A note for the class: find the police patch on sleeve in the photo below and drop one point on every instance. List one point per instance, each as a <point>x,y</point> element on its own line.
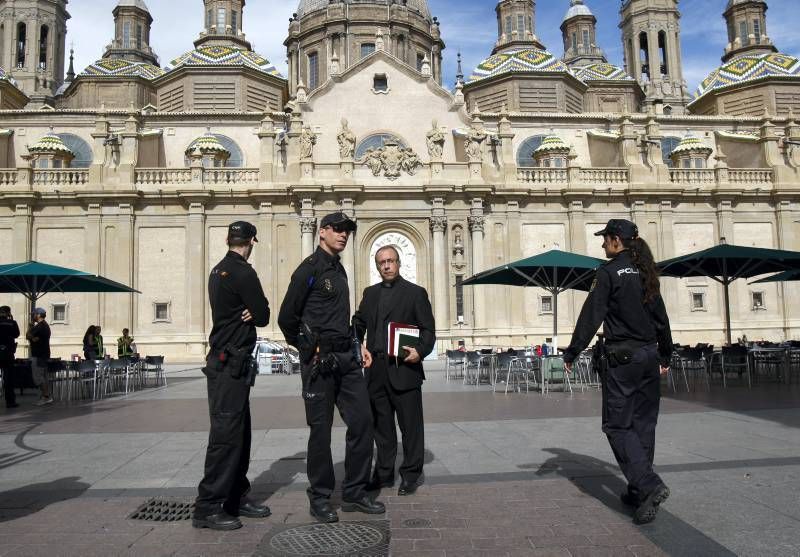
<point>594,283</point>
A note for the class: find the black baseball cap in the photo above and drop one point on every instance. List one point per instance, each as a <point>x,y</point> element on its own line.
<point>338,218</point>
<point>623,229</point>
<point>242,229</point>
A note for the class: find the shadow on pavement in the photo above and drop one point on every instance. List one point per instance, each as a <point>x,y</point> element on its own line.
<point>11,459</point>
<point>31,499</point>
<point>600,480</point>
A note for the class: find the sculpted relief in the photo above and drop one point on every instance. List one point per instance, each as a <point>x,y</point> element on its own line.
<point>391,160</point>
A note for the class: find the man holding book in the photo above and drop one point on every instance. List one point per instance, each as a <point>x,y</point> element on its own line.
<point>397,319</point>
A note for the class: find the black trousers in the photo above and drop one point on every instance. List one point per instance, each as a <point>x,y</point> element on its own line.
<point>347,390</point>
<point>631,397</point>
<point>228,456</point>
<point>8,383</point>
<point>387,402</point>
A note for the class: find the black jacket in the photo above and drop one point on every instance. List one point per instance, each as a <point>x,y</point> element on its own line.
<point>319,296</point>
<point>9,332</point>
<point>617,301</point>
<point>410,305</point>
<point>233,286</point>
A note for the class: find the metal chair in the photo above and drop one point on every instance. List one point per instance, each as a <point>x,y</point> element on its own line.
<point>455,359</point>
<point>515,372</point>
<point>768,361</point>
<point>553,370</point>
<point>155,365</point>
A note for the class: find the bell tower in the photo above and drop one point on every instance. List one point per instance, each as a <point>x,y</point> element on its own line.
<point>132,21</point>
<point>652,46</point>
<point>747,29</point>
<point>223,24</point>
<point>578,30</point>
<point>32,44</point>
<point>516,25</point>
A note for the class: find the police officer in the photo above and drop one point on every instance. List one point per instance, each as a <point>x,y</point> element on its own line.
<point>626,299</point>
<point>238,306</point>
<point>315,318</point>
<point>9,333</point>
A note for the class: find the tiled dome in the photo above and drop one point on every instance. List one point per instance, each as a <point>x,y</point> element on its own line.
<point>552,144</point>
<point>225,56</point>
<point>308,6</point>
<point>750,67</point>
<point>601,71</point>
<point>691,144</point>
<point>207,143</point>
<point>117,67</point>
<point>50,143</point>
<point>518,61</point>
<point>577,8</point>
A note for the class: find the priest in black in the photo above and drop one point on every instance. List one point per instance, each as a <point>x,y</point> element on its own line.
<point>395,383</point>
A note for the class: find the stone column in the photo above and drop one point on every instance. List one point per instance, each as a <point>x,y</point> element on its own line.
<point>266,135</point>
<point>196,271</point>
<point>785,219</point>
<point>349,254</point>
<point>21,250</point>
<point>129,153</point>
<point>263,257</point>
<point>515,253</point>
<point>121,269</point>
<point>308,226</point>
<point>666,250</point>
<point>93,243</point>
<point>440,273</point>
<point>476,224</point>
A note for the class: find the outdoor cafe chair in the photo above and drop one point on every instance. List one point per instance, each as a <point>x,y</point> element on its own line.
<point>455,360</point>
<point>683,359</point>
<point>553,371</point>
<point>476,367</point>
<point>514,370</point>
<point>768,361</point>
<point>731,359</point>
<point>155,365</point>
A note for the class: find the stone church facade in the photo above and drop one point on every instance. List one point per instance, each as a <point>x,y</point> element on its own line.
<point>132,168</point>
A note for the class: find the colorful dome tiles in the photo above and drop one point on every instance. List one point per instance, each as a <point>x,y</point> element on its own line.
<point>117,67</point>
<point>691,144</point>
<point>750,67</point>
<point>50,143</point>
<point>225,56</point>
<point>207,143</point>
<point>601,71</point>
<point>518,61</point>
<point>552,144</point>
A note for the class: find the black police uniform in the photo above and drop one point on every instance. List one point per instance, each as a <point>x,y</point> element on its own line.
<point>319,297</point>
<point>233,286</point>
<point>638,338</point>
<point>9,332</point>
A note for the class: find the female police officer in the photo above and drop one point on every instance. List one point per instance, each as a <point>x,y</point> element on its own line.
<point>626,298</point>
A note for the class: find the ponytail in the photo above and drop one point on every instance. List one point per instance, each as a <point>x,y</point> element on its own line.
<point>643,260</point>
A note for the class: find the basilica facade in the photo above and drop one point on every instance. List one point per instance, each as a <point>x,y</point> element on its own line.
<point>132,167</point>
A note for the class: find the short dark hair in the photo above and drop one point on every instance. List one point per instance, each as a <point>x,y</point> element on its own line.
<point>384,248</point>
<point>5,309</point>
<point>237,242</point>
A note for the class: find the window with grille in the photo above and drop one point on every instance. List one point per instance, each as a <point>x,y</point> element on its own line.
<point>126,34</point>
<point>139,37</point>
<point>743,32</point>
<point>545,304</point>
<point>758,301</point>
<point>313,71</point>
<point>161,312</point>
<point>757,30</point>
<point>235,21</point>
<point>520,24</point>
<point>221,16</point>
<point>509,25</point>
<point>380,83</point>
<point>698,301</point>
<point>367,49</point>
<point>586,41</point>
<point>59,313</point>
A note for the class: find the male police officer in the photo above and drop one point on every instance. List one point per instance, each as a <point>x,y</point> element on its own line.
<point>9,333</point>
<point>315,318</point>
<point>626,298</point>
<point>238,306</point>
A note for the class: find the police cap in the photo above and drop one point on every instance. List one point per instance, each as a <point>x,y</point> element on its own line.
<point>621,228</point>
<point>338,220</point>
<point>243,230</point>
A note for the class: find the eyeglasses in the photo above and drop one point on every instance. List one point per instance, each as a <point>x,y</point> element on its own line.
<point>339,228</point>
<point>387,262</point>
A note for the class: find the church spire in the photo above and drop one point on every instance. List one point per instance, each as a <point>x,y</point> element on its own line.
<point>132,22</point>
<point>747,28</point>
<point>71,70</point>
<point>516,25</point>
<point>578,28</point>
<point>223,24</point>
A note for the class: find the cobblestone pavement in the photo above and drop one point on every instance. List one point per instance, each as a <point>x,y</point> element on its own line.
<point>516,474</point>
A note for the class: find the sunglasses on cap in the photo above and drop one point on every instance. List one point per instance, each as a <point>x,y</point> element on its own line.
<point>339,227</point>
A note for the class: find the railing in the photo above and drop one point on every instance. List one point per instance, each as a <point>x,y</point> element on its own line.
<point>750,177</point>
<point>230,176</point>
<point>543,175</point>
<point>162,176</point>
<point>61,177</point>
<point>8,176</point>
<point>690,176</point>
<point>608,176</point>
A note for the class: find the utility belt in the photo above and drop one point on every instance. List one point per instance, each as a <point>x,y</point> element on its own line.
<point>620,352</point>
<point>238,362</point>
<point>342,344</point>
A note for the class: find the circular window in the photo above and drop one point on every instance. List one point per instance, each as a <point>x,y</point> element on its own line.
<point>376,141</point>
<point>80,148</point>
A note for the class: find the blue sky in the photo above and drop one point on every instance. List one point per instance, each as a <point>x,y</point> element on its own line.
<point>467,25</point>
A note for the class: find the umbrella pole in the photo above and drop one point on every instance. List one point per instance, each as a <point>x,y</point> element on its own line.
<point>727,312</point>
<point>554,292</point>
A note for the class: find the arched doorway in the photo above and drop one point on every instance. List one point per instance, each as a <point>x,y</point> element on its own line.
<point>408,256</point>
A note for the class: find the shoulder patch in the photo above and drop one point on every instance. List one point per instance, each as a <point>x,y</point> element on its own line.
<point>594,284</point>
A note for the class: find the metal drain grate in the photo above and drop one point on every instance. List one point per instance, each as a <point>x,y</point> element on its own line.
<point>363,538</point>
<point>417,523</point>
<point>164,510</point>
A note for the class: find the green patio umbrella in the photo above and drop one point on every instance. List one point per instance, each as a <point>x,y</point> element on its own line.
<point>726,263</point>
<point>33,280</point>
<point>554,271</point>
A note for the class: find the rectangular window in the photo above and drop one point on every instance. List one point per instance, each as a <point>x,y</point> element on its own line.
<point>545,304</point>
<point>509,26</point>
<point>209,19</point>
<point>367,49</point>
<point>574,42</point>
<point>460,298</point>
<point>699,163</point>
<point>57,163</point>
<point>698,301</point>
<point>313,71</point>
<point>743,32</point>
<point>586,41</point>
<point>420,61</point>
<point>380,83</point>
<point>126,34</point>
<point>757,30</point>
<point>758,301</point>
<point>235,21</point>
<point>687,163</point>
<point>521,24</point>
<point>139,37</point>
<point>161,312</point>
<point>43,40</point>
<point>221,17</point>
<point>59,314</point>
